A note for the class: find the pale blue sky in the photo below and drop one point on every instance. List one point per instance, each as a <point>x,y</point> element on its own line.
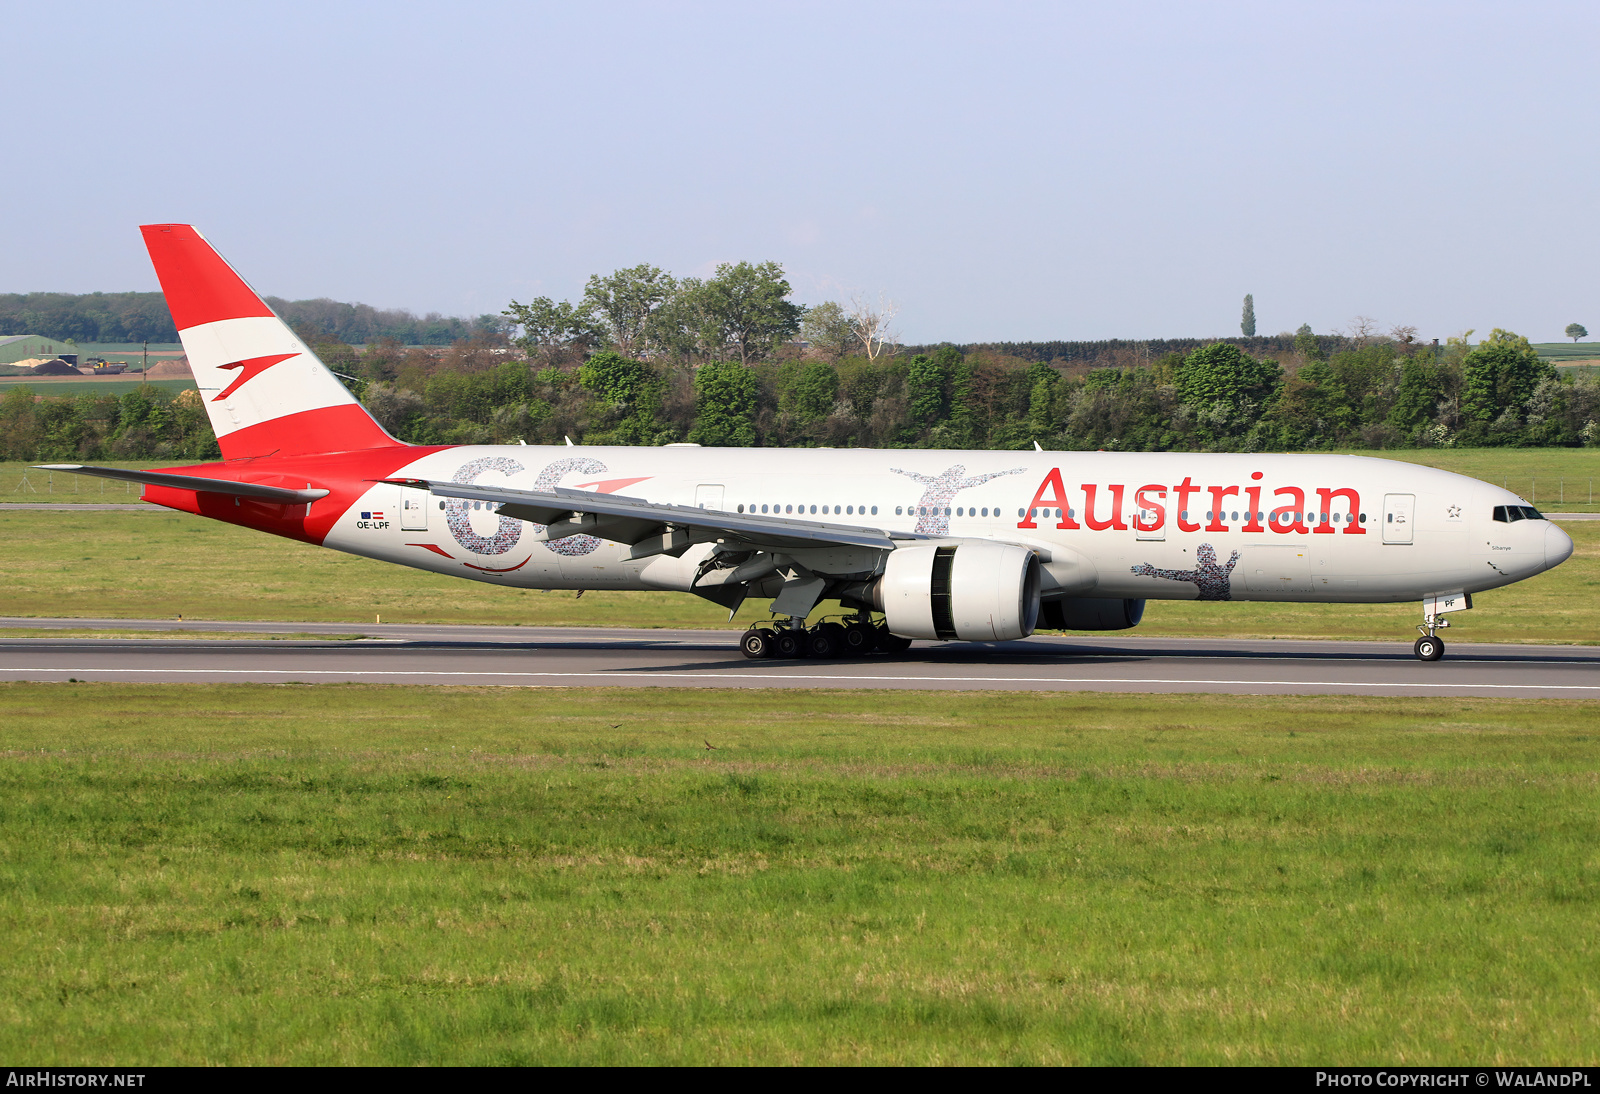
<point>1001,170</point>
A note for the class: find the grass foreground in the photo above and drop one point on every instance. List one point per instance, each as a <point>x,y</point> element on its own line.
<point>352,874</point>
<point>160,565</point>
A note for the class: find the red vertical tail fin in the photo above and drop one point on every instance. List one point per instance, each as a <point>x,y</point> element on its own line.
<point>266,392</point>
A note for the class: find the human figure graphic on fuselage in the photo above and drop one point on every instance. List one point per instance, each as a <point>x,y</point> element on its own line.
<point>932,519</point>
<point>1214,581</point>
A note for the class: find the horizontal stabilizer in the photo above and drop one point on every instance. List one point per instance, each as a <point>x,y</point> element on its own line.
<point>193,482</point>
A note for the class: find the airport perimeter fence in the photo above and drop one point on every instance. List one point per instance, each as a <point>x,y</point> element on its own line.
<point>34,483</point>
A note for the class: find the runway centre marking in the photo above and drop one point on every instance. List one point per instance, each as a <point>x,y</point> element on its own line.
<point>875,679</point>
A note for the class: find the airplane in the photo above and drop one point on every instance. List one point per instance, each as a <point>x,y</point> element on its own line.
<point>973,546</point>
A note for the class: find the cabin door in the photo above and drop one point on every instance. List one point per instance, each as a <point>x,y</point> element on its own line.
<point>413,509</point>
<point>1146,516</point>
<point>708,496</point>
<point>1398,509</point>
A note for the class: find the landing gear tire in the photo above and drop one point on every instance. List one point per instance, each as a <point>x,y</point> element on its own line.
<point>788,643</point>
<point>857,640</point>
<point>756,644</point>
<point>1429,648</point>
<point>892,643</point>
<point>823,642</point>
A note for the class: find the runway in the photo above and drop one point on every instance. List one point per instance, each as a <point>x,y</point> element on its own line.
<point>604,657</point>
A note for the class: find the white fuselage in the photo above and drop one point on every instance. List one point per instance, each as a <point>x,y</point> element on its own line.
<point>1317,528</point>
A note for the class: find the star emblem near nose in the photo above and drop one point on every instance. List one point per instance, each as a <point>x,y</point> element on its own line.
<point>249,369</point>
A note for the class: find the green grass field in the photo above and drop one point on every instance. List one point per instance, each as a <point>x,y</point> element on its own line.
<point>289,875</point>
<point>1558,352</point>
<point>91,385</point>
<point>160,565</point>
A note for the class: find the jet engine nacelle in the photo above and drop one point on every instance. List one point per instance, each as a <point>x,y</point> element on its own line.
<point>1090,613</point>
<point>974,591</point>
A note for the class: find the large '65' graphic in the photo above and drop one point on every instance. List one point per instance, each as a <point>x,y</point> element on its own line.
<point>508,531</point>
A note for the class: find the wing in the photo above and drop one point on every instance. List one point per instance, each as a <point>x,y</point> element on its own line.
<point>653,528</point>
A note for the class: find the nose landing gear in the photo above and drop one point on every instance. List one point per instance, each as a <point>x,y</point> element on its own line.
<point>1430,647</point>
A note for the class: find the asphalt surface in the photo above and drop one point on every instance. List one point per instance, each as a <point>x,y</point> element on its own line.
<point>586,657</point>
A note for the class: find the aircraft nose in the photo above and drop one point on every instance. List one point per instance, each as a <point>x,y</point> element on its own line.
<point>1557,547</point>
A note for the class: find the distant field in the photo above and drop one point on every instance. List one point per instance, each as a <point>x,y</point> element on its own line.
<point>91,385</point>
<point>383,875</point>
<point>105,349</point>
<point>159,565</point>
<point>1556,479</point>
<point>1563,352</point>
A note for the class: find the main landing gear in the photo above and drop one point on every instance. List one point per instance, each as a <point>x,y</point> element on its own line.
<point>853,637</point>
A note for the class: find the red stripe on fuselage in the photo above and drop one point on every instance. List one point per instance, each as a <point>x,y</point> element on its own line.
<point>492,570</point>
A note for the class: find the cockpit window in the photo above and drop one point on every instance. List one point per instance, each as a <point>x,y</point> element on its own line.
<point>1510,514</point>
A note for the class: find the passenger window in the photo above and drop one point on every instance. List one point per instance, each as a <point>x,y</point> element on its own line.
<point>874,510</point>
<point>897,510</point>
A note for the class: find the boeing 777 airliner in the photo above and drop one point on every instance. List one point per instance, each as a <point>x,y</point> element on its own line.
<point>965,546</point>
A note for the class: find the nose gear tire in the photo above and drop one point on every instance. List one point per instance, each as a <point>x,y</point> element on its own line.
<point>1428,648</point>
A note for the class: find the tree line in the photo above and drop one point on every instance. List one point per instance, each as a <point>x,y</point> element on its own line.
<point>1216,397</point>
<point>646,358</point>
<point>143,317</point>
